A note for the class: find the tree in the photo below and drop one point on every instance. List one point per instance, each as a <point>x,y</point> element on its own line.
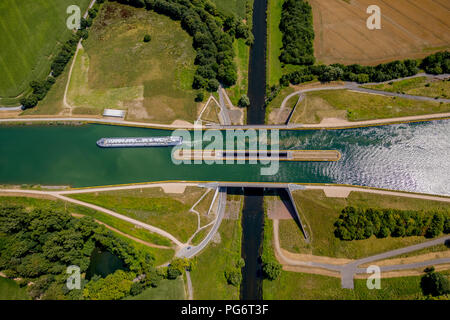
<point>147,38</point>
<point>436,226</point>
<point>271,270</point>
<point>173,273</point>
<point>234,277</point>
<point>29,102</point>
<point>136,288</point>
<point>244,101</point>
<point>200,96</point>
<point>435,284</point>
<point>213,85</point>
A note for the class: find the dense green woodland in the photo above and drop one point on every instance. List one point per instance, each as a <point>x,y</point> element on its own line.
<point>298,33</point>
<point>37,245</point>
<point>358,224</point>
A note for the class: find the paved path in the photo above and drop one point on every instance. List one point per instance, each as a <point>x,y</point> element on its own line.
<point>191,251</point>
<point>189,286</point>
<point>224,115</point>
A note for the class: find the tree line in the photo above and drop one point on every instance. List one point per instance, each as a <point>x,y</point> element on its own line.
<point>37,245</point>
<point>358,223</point>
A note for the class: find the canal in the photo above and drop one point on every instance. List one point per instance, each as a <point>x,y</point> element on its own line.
<point>253,210</point>
<point>410,157</point>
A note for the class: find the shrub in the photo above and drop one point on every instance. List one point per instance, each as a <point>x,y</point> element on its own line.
<point>244,101</point>
<point>147,38</point>
<point>271,270</point>
<point>435,284</point>
<point>200,96</point>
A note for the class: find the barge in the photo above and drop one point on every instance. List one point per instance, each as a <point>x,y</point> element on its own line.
<point>139,142</point>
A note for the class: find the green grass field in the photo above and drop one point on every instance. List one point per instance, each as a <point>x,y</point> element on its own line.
<point>236,7</point>
<point>419,86</point>
<point>30,33</point>
<point>356,106</point>
<point>274,41</point>
<point>166,290</point>
<point>302,286</point>
<point>169,212</point>
<point>10,290</point>
<point>319,213</point>
<point>208,277</point>
<point>242,52</point>
<point>118,70</point>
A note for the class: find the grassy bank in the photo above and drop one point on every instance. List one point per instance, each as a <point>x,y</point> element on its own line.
<point>169,212</point>
<point>419,86</point>
<point>166,290</point>
<point>10,290</point>
<point>153,80</point>
<point>242,53</point>
<point>208,278</point>
<point>302,286</point>
<point>319,213</point>
<point>274,41</point>
<point>356,106</point>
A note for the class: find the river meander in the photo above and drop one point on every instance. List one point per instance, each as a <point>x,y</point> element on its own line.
<point>410,157</point>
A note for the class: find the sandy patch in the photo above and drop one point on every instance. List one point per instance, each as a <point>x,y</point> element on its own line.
<point>319,271</point>
<point>336,193</point>
<point>181,123</point>
<point>312,258</point>
<point>278,210</point>
<point>173,188</point>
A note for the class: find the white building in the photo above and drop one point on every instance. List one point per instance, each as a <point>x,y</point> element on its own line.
<point>114,113</point>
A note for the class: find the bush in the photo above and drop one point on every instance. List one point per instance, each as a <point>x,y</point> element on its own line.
<point>136,288</point>
<point>213,85</point>
<point>147,38</point>
<point>173,273</point>
<point>200,96</point>
<point>244,101</point>
<point>271,270</point>
<point>234,277</point>
<point>435,284</point>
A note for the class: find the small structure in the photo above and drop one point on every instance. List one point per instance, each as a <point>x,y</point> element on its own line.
<point>114,113</point>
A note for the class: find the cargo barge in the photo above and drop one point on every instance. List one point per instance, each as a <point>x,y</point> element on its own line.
<point>139,142</point>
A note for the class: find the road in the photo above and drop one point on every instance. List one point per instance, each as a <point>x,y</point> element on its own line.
<point>191,251</point>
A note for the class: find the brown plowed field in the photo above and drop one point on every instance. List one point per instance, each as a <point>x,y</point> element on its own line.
<point>409,29</point>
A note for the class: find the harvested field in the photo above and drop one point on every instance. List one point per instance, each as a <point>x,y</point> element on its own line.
<point>409,29</point>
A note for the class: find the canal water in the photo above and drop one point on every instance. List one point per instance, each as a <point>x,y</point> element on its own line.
<point>253,210</point>
<point>410,157</point>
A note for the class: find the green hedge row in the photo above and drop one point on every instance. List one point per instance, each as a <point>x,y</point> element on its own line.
<point>357,224</point>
